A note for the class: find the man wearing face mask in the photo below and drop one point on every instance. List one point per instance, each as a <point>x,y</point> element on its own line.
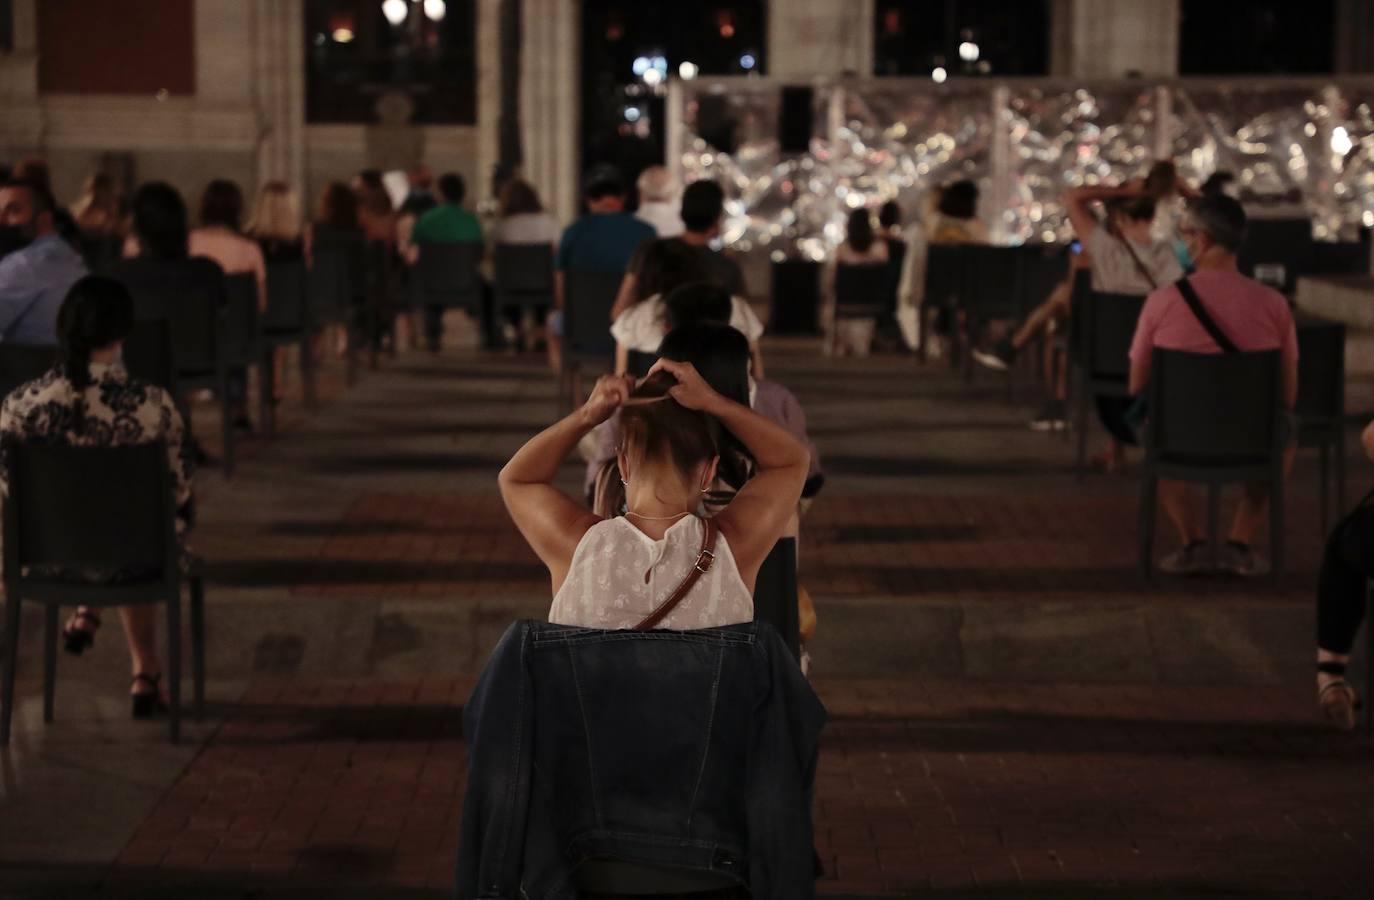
<point>1253,317</point>
<point>35,278</point>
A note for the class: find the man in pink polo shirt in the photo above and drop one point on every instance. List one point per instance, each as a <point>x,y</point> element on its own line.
<point>1254,317</point>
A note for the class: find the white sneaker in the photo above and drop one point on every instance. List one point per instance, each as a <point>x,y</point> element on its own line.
<point>1244,561</point>
<point>1190,559</point>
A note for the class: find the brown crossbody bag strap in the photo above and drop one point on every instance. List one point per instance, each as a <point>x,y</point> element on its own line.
<point>705,558</point>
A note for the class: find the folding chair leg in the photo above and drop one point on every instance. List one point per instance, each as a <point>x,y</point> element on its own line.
<point>1276,524</point>
<point>198,644</point>
<point>1324,455</point>
<point>49,659</point>
<point>1214,523</point>
<point>227,414</point>
<point>1149,486</point>
<point>174,667</point>
<point>267,386</point>
<point>11,649</point>
<point>308,372</point>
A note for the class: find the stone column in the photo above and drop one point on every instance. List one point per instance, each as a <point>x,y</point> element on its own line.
<point>550,106</point>
<point>819,38</point>
<point>280,56</point>
<point>1114,38</point>
<point>488,94</point>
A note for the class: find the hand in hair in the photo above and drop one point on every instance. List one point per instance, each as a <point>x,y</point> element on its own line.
<point>610,394</point>
<point>692,391</point>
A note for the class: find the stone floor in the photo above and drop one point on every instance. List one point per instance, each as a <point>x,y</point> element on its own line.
<point>1013,713</point>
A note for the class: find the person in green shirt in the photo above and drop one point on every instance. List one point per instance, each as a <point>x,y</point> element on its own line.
<point>449,222</point>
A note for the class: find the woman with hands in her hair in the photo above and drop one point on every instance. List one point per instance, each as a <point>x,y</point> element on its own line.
<point>613,573</point>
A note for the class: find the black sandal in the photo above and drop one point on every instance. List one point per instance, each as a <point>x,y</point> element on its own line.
<point>147,705</point>
<point>76,639</point>
<point>1339,703</point>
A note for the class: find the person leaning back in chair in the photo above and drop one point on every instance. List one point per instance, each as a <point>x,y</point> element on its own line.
<point>663,564</point>
<point>1251,316</point>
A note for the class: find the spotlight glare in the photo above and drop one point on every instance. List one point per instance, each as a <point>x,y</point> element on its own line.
<point>747,62</point>
<point>688,70</point>
<point>939,75</point>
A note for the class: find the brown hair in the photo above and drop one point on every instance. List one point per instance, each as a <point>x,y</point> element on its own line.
<point>1159,182</point>
<point>222,204</point>
<point>518,196</point>
<point>665,432</point>
<point>338,207</point>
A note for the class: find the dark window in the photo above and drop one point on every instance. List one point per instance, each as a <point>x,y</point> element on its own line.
<point>1259,37</point>
<point>622,118</point>
<point>913,37</point>
<point>354,56</point>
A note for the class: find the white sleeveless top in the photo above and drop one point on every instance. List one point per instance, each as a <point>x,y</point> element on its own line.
<point>619,575</point>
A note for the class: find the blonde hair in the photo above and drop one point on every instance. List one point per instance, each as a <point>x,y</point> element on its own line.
<point>97,196</point>
<point>276,213</point>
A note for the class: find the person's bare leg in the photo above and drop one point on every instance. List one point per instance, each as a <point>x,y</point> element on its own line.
<point>1056,304</point>
<point>1254,505</point>
<point>1179,503</point>
<point>140,631</point>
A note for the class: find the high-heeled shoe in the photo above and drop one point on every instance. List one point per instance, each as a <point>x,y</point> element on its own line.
<point>147,705</point>
<point>76,637</point>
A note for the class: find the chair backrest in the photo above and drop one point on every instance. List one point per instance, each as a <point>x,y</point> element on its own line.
<point>1043,268</point>
<point>524,273</point>
<point>149,356</point>
<point>1080,294</point>
<point>1339,258</point>
<point>329,290</point>
<point>193,307</point>
<point>1213,408</point>
<point>860,290</point>
<point>88,507</point>
<point>241,319</point>
<point>287,308</point>
<point>946,266</point>
<point>22,363</point>
<point>1277,251</point>
<point>100,251</point>
<point>588,296</point>
<point>1110,321</point>
<point>992,282</point>
<point>1321,372</point>
<point>446,273</point>
<point>344,250</point>
<point>775,594</point>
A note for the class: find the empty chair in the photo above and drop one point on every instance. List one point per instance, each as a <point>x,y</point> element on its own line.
<point>287,321</point>
<point>587,300</point>
<point>1187,440</point>
<point>524,275</point>
<point>22,363</point>
<point>1107,323</point>
<point>105,508</point>
<point>861,298</point>
<point>445,275</point>
<point>1320,408</point>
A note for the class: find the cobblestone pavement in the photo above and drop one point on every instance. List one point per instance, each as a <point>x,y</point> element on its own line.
<point>974,599</point>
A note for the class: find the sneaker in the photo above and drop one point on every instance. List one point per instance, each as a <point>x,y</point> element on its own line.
<point>1052,417</point>
<point>1000,357</point>
<point>1240,559</point>
<point>1190,559</point>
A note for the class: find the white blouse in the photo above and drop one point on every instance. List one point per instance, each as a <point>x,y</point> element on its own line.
<point>641,327</point>
<point>619,575</point>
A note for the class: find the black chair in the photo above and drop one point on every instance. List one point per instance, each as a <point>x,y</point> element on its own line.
<point>377,317</point>
<point>1215,418</point>
<point>22,363</point>
<point>243,335</point>
<point>1321,404</point>
<point>100,251</point>
<point>524,275</point>
<point>445,275</point>
<point>860,291</point>
<point>338,285</point>
<point>775,594</point>
<point>588,297</point>
<point>1339,258</point>
<point>287,321</point>
<point>1277,251</point>
<point>149,357</point>
<point>992,291</point>
<point>108,508</point>
<point>944,283</point>
<point>1107,325</point>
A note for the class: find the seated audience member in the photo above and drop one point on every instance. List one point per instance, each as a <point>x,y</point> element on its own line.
<point>657,204</point>
<point>376,215</point>
<point>89,400</point>
<point>276,223</point>
<point>34,171</point>
<point>447,223</point>
<point>1347,566</point>
<point>34,278</point>
<point>666,266</point>
<point>614,573</point>
<point>861,247</point>
<point>220,236</point>
<point>1125,258</point>
<point>703,211</point>
<point>951,217</point>
<point>603,240</point>
<point>420,194</point>
<point>521,219</point>
<point>97,211</point>
<point>1254,317</point>
<point>336,219</point>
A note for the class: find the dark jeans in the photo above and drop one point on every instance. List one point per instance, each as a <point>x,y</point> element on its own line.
<point>1346,565</point>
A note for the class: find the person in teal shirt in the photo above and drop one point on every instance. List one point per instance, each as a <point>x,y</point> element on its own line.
<point>449,222</point>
